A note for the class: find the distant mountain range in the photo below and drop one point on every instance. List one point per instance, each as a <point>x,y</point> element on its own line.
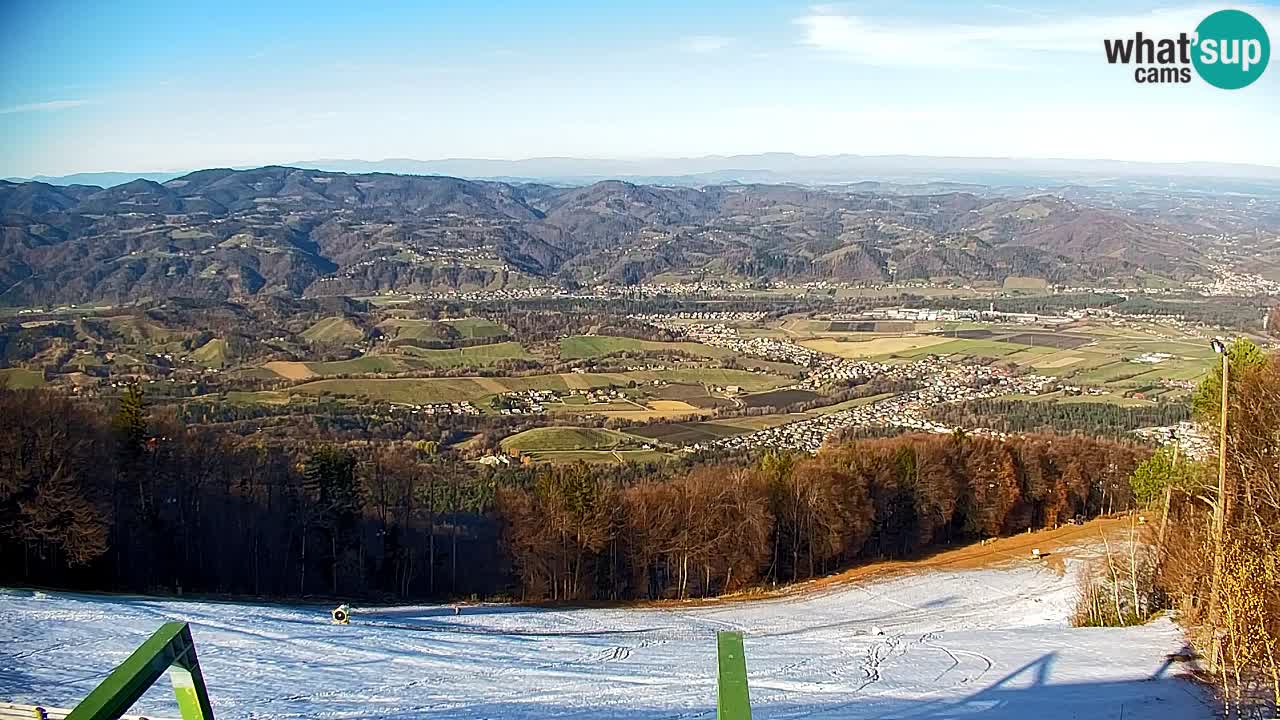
<point>225,233</point>
<point>790,168</point>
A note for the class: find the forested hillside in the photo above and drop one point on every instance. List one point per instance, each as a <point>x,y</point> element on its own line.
<point>128,500</point>
<point>276,230</point>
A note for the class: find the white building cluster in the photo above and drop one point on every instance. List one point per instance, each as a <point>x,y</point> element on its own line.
<point>1188,436</point>
<point>1230,283</point>
<point>946,382</point>
<point>459,408</point>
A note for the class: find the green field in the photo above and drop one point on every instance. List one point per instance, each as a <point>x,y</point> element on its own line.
<point>568,438</point>
<point>474,327</point>
<point>136,330</point>
<point>359,366</point>
<point>401,329</point>
<point>599,456</point>
<point>475,356</point>
<point>399,390</point>
<point>212,354</point>
<point>409,358</point>
<point>590,346</point>
<point>333,331</point>
<point>21,378</point>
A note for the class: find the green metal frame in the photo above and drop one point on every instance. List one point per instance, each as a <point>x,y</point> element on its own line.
<point>733,699</point>
<point>170,649</point>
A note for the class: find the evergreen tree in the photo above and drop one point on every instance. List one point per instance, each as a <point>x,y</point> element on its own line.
<point>1158,472</point>
<point>331,474</point>
<point>130,421</point>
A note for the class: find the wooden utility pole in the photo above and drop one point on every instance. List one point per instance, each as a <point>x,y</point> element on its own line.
<point>1219,521</point>
<point>1168,500</point>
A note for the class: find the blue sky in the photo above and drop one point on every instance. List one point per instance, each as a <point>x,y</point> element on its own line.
<point>148,85</point>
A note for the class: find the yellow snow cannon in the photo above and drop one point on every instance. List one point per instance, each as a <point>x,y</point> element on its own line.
<point>341,615</point>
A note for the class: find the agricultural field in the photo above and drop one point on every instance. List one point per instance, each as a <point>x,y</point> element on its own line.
<point>434,390</point>
<point>991,349</point>
<point>1137,362</point>
<point>593,346</point>
<point>135,330</point>
<point>333,331</point>
<point>472,328</point>
<point>1083,353</point>
<point>652,410</point>
<point>406,358</point>
<point>20,378</point>
<point>1058,341</point>
<point>414,330</point>
<point>1014,282</point>
<point>599,456</point>
<point>645,403</point>
<point>473,356</point>
<point>212,354</point>
<point>569,438</point>
<point>686,433</point>
<point>871,326</point>
<point>871,345</point>
<point>358,366</point>
<point>290,370</point>
<point>1058,361</point>
<point>799,329</point>
<point>779,398</point>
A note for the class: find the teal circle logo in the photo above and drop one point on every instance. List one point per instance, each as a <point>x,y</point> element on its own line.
<point>1232,49</point>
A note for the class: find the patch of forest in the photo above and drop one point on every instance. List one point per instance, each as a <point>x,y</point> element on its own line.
<point>129,499</point>
<point>1094,418</point>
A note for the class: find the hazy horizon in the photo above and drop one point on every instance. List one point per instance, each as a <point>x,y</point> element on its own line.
<point>776,166</point>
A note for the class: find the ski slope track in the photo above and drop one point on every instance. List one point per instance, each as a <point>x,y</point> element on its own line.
<point>935,644</point>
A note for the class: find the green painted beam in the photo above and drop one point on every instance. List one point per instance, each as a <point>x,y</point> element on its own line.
<point>733,700</point>
<point>170,649</point>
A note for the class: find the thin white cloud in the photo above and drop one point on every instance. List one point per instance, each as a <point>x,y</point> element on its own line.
<point>705,44</point>
<point>879,41</point>
<point>43,106</point>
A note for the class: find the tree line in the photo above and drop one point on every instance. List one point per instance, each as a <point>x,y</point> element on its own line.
<point>133,500</point>
<point>1094,418</point>
<point>127,498</point>
<point>573,534</point>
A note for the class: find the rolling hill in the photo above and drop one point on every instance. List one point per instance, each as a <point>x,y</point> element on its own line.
<point>221,233</point>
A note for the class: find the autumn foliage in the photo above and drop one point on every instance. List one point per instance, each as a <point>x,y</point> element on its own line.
<point>577,534</point>
<point>126,498</point>
<point>1241,640</point>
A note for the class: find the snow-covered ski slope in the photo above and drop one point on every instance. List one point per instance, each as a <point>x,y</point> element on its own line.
<point>940,643</point>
